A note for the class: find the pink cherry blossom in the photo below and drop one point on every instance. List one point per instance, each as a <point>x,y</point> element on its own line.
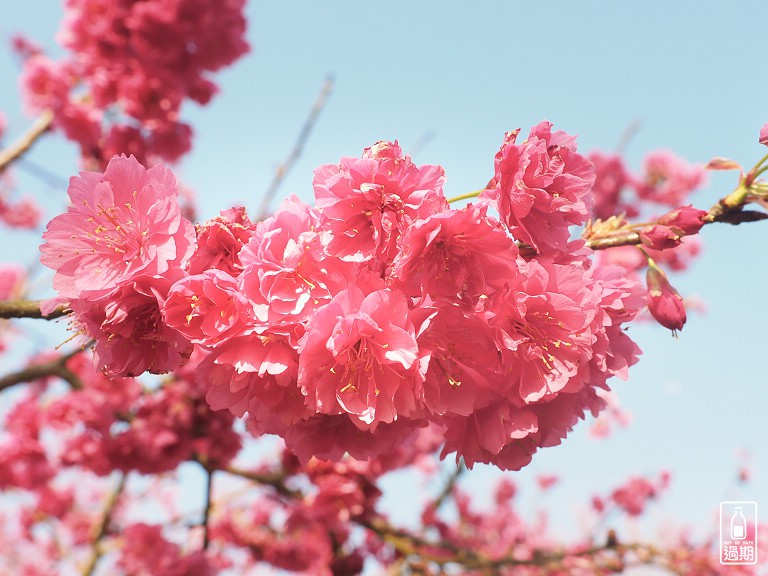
<point>634,495</point>
<point>122,223</point>
<point>540,187</point>
<point>287,273</point>
<point>146,551</point>
<point>131,335</point>
<point>255,374</point>
<point>464,371</point>
<point>367,204</point>
<point>360,357</point>
<point>611,180</point>
<point>669,179</point>
<point>219,241</point>
<point>456,255</point>
<point>208,308</point>
<point>22,214</point>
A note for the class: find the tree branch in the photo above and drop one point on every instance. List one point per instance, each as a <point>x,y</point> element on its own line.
<point>274,479</point>
<point>720,212</point>
<point>207,506</point>
<point>29,309</point>
<point>57,367</point>
<point>103,527</point>
<point>25,141</point>
<point>298,147</point>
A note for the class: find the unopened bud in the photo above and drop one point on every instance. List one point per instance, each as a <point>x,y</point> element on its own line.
<point>665,304</point>
<point>687,218</point>
<point>764,134</point>
<point>660,237</point>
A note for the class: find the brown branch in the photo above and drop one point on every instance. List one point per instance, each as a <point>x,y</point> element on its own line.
<point>25,141</point>
<point>56,367</point>
<point>274,479</point>
<point>207,506</point>
<point>723,212</point>
<point>102,527</point>
<point>298,147</point>
<point>443,552</point>
<point>28,309</point>
<point>449,485</point>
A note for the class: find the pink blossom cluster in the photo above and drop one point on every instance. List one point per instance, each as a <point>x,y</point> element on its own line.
<point>667,180</point>
<point>131,67</point>
<point>348,326</point>
<point>633,496</point>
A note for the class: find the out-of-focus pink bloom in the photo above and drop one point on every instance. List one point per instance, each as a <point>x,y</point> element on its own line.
<point>546,481</point>
<point>635,494</point>
<point>665,304</point>
<point>122,223</point>
<point>150,55</point>
<point>44,84</point>
<point>24,47</point>
<point>611,179</point>
<point>669,179</point>
<point>131,335</point>
<point>367,204</point>
<point>146,551</point>
<point>12,281</point>
<point>23,214</point>
<point>540,187</point>
<point>764,134</point>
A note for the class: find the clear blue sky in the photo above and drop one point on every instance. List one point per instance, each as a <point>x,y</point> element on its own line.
<point>692,75</point>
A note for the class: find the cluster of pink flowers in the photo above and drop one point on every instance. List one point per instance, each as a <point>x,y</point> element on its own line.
<point>348,326</point>
<point>132,66</point>
<point>667,180</point>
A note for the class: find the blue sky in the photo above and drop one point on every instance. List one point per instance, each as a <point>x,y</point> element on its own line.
<point>461,74</point>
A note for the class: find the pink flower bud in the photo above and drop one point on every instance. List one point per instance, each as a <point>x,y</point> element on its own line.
<point>764,134</point>
<point>687,218</point>
<point>665,304</point>
<point>660,237</point>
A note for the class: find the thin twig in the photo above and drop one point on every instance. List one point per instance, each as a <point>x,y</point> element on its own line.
<point>720,212</point>
<point>103,527</point>
<point>443,552</point>
<point>626,137</point>
<point>207,507</point>
<point>274,479</point>
<point>298,147</point>
<point>29,309</point>
<point>449,485</point>
<point>50,178</point>
<point>25,141</point>
<point>57,367</point>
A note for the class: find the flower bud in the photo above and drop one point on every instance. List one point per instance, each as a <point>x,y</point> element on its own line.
<point>687,218</point>
<point>660,237</point>
<point>665,304</point>
<point>764,134</point>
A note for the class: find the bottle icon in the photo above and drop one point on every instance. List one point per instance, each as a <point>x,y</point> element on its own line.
<point>738,524</point>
